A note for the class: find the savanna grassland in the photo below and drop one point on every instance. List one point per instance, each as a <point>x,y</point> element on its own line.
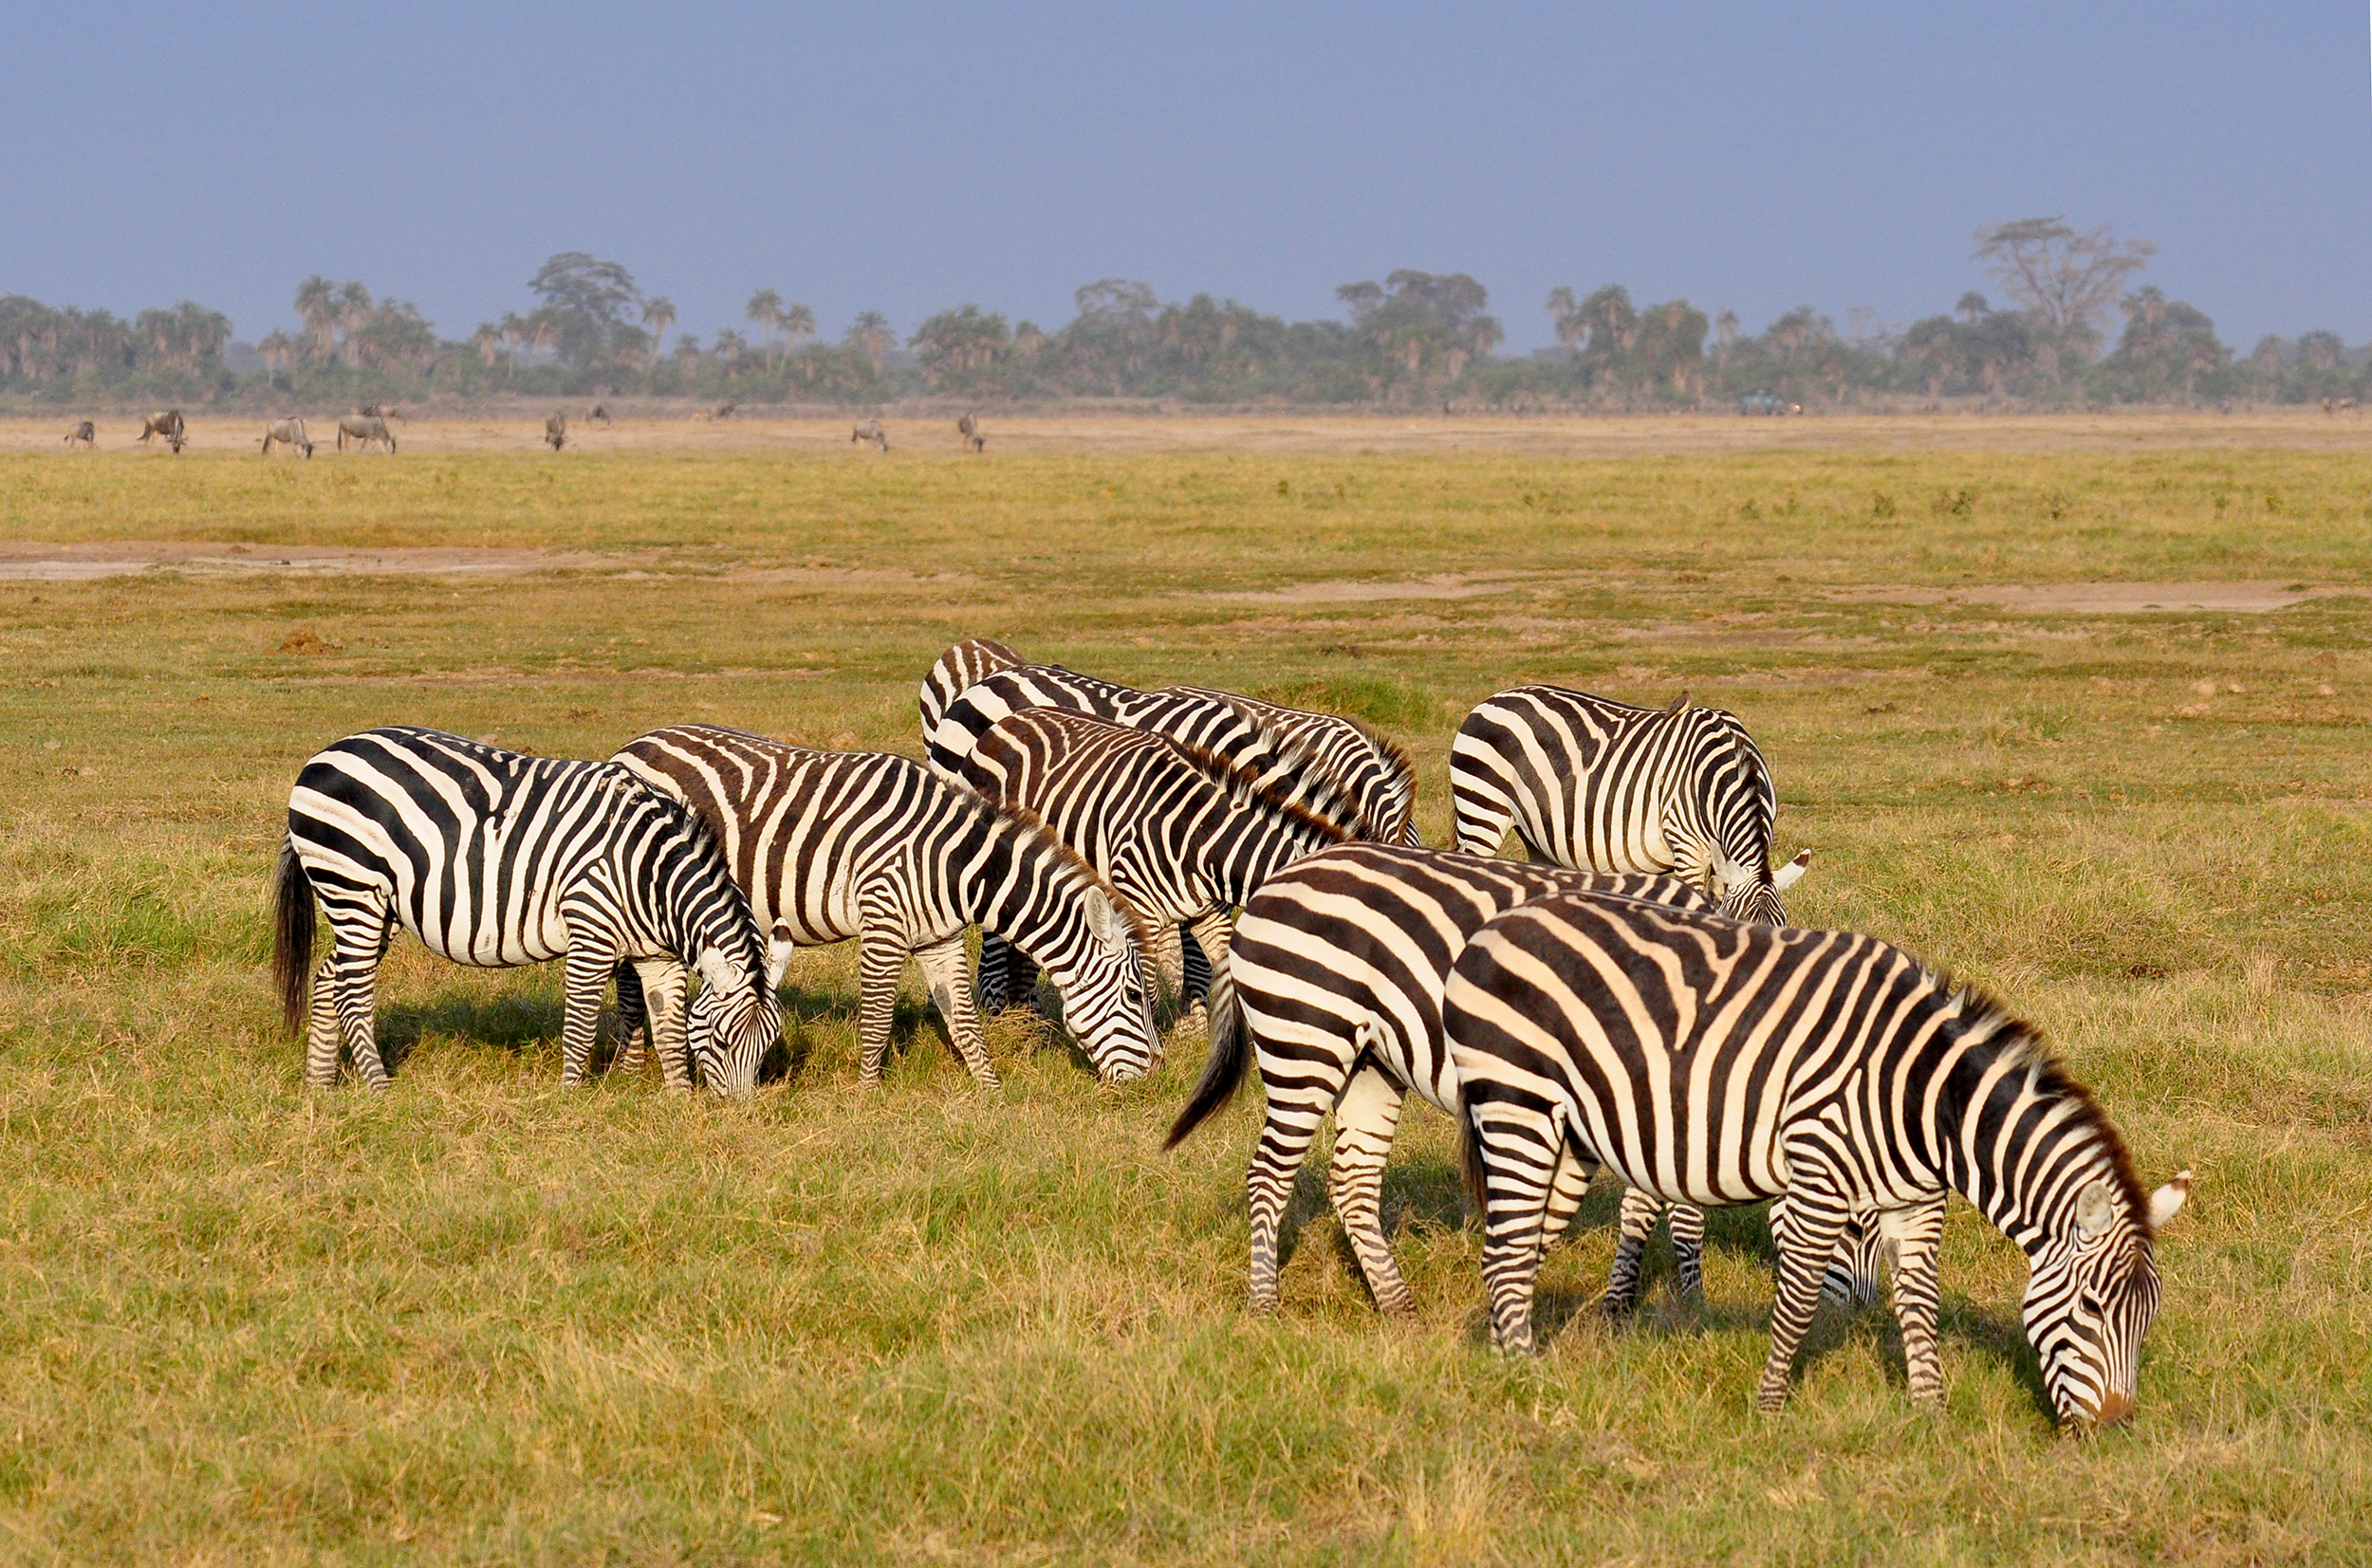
<point>478,1318</point>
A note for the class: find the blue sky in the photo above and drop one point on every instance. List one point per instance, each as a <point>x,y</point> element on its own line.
<point>907,158</point>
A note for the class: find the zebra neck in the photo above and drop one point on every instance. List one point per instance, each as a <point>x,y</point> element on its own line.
<point>2014,1137</point>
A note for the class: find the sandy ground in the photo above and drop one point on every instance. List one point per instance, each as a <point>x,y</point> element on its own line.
<point>1294,432</point>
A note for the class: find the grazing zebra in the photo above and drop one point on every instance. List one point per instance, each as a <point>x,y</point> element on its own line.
<point>1605,786</point>
<point>496,859</point>
<point>1717,1062</point>
<point>957,670</point>
<point>81,433</point>
<point>1371,766</point>
<point>1338,963</point>
<point>1183,837</point>
<point>837,844</point>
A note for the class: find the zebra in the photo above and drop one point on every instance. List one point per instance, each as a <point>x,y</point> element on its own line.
<point>1719,1061</point>
<point>1183,837</point>
<point>1338,963</point>
<point>492,857</point>
<point>831,845</point>
<point>957,670</point>
<point>1605,786</point>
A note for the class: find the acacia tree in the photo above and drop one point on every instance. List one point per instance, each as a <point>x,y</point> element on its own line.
<point>588,305</point>
<point>2066,279</point>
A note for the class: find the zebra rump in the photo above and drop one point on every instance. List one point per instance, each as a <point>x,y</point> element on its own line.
<point>1602,786</point>
<point>1717,1062</point>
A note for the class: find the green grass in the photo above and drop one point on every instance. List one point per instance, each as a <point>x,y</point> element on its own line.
<point>482,1319</point>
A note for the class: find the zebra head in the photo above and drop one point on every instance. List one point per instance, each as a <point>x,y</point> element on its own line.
<point>1753,894</point>
<point>2091,1297</point>
<point>1107,1003</point>
<point>735,1020</point>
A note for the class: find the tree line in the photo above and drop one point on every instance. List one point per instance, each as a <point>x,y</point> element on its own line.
<point>1413,340</point>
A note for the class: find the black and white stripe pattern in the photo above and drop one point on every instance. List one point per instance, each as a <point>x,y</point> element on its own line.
<point>1717,1062</point>
<point>834,845</point>
<point>962,666</point>
<point>1339,964</point>
<point>1183,837</point>
<point>496,859</point>
<point>1602,786</point>
<point>1369,767</point>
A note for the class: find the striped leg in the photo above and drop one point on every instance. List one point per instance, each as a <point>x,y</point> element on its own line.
<point>1915,1234</point>
<point>1641,1210</point>
<point>1566,1188</point>
<point>1688,1248</point>
<point>1007,975</point>
<point>663,987</point>
<point>1166,954</point>
<point>1520,1148</point>
<point>581,1017</point>
<point>1365,1120</point>
<point>1480,808</point>
<point>321,1039</point>
<point>879,961</point>
<point>1297,1103</point>
<point>634,1021</point>
<point>943,972</point>
<point>353,969</point>
<point>1816,1217</point>
<point>1208,937</point>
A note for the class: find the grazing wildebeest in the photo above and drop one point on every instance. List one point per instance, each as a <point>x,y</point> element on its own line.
<point>82,432</point>
<point>599,417</point>
<point>364,429</point>
<point>167,424</point>
<point>556,432</point>
<point>968,428</point>
<point>288,432</point>
<point>871,430</point>
<point>378,410</point>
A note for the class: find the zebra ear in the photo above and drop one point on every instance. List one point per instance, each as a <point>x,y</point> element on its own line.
<point>2092,1210</point>
<point>1105,920</point>
<point>2167,1201</point>
<point>1791,874</point>
<point>778,953</point>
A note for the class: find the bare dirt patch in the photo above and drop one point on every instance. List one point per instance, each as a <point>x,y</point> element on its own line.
<point>2085,599</point>
<point>45,561</point>
<point>1351,591</point>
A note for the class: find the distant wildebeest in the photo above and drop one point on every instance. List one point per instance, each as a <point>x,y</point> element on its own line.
<point>556,432</point>
<point>968,428</point>
<point>81,432</point>
<point>599,417</point>
<point>167,424</point>
<point>378,410</point>
<point>288,432</point>
<point>364,429</point>
<point>870,431</point>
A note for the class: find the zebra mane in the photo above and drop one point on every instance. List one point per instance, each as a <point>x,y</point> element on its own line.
<point>1330,807</point>
<point>1277,798</point>
<point>1032,829</point>
<point>1394,756</point>
<point>2021,1044</point>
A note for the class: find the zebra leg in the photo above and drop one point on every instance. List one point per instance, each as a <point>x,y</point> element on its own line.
<point>634,1021</point>
<point>581,1016</point>
<point>943,972</point>
<point>1365,1120</point>
<point>1816,1217</point>
<point>1566,1188</point>
<point>879,961</point>
<point>1165,953</point>
<point>322,1037</point>
<point>1199,964</point>
<point>1641,1210</point>
<point>1688,1248</point>
<point>663,986</point>
<point>1913,1233</point>
<point>1519,1148</point>
<point>1208,937</point>
<point>994,985</point>
<point>353,964</point>
<point>1300,1093</point>
<point>1479,810</point>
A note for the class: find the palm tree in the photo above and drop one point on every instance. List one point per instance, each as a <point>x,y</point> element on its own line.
<point>486,340</point>
<point>1566,312</point>
<point>797,322</point>
<point>658,314</point>
<point>317,307</point>
<point>277,349</point>
<point>766,310</point>
<point>354,314</point>
<point>729,344</point>
<point>872,336</point>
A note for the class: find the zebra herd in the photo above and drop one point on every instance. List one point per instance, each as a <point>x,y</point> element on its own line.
<point>1630,999</point>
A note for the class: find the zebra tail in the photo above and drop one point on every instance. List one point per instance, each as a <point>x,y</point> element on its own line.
<point>1222,1071</point>
<point>292,937</point>
<point>1470,1155</point>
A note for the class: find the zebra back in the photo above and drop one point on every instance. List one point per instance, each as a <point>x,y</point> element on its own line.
<point>1591,782</point>
<point>1369,766</point>
<point>827,844</point>
<point>1716,1061</point>
<point>966,662</point>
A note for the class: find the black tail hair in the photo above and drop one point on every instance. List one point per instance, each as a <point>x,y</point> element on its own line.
<point>1471,1155</point>
<point>292,937</point>
<point>1222,1071</point>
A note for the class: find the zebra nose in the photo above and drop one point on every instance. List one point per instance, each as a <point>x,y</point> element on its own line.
<point>2115,1408</point>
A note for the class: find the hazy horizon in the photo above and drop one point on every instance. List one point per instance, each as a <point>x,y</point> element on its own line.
<point>907,158</point>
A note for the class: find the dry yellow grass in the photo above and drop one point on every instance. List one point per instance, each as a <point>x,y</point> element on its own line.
<point>482,1319</point>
